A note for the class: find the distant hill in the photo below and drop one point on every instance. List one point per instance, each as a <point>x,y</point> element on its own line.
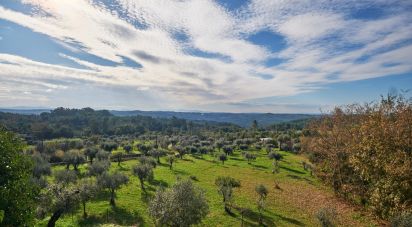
<point>241,119</point>
<point>25,111</point>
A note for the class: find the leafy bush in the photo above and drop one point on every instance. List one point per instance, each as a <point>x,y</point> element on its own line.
<point>182,205</point>
<point>364,152</point>
<point>326,217</point>
<point>403,220</point>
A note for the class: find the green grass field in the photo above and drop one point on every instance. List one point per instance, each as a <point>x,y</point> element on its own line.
<point>295,203</point>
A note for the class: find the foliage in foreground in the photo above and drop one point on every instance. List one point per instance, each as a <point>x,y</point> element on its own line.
<point>365,153</point>
<point>17,193</point>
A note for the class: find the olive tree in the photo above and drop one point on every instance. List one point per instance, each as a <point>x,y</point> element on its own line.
<point>225,188</point>
<point>170,159</point>
<point>98,167</point>
<point>87,190</point>
<point>90,153</point>
<point>143,148</point>
<point>157,153</point>
<point>147,160</point>
<point>249,156</point>
<point>182,205</point>
<point>181,151</point>
<point>65,177</point>
<point>102,155</point>
<point>73,157</point>
<point>112,182</point>
<point>222,157</point>
<point>128,148</point>
<point>57,200</point>
<point>276,157</point>
<point>118,155</point>
<point>41,166</point>
<point>228,149</point>
<point>262,192</point>
<point>143,172</point>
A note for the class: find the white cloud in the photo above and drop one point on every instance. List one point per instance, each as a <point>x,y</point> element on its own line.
<point>318,34</point>
<point>311,26</point>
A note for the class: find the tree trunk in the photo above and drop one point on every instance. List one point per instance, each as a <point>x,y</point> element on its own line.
<point>84,210</point>
<point>142,184</point>
<point>112,198</point>
<point>170,167</point>
<point>56,215</point>
<point>227,209</point>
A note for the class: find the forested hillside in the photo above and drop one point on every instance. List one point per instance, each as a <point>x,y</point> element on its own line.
<point>69,123</point>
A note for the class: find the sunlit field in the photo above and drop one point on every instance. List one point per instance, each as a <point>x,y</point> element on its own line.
<point>294,203</point>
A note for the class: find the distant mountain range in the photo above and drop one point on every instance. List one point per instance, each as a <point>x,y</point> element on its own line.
<point>241,119</point>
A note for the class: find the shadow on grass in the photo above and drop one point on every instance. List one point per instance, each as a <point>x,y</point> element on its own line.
<point>200,157</point>
<point>163,164</point>
<point>159,183</point>
<point>259,166</point>
<point>308,180</point>
<point>181,172</point>
<point>115,215</point>
<point>251,218</point>
<point>103,195</point>
<point>286,219</point>
<point>294,177</point>
<point>145,197</point>
<point>237,159</point>
<point>187,160</point>
<point>123,168</point>
<point>292,170</point>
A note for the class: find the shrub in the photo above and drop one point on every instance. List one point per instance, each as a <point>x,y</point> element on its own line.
<point>182,205</point>
<point>403,220</point>
<point>326,217</point>
<point>363,153</point>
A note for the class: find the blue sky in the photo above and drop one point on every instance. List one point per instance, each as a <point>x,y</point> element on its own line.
<point>234,56</point>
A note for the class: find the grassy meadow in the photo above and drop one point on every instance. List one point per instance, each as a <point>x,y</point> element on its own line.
<point>294,202</point>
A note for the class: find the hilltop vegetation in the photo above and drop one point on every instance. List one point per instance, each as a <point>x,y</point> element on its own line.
<point>70,123</point>
<point>240,119</point>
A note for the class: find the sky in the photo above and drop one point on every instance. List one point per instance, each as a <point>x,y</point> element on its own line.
<point>294,56</point>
